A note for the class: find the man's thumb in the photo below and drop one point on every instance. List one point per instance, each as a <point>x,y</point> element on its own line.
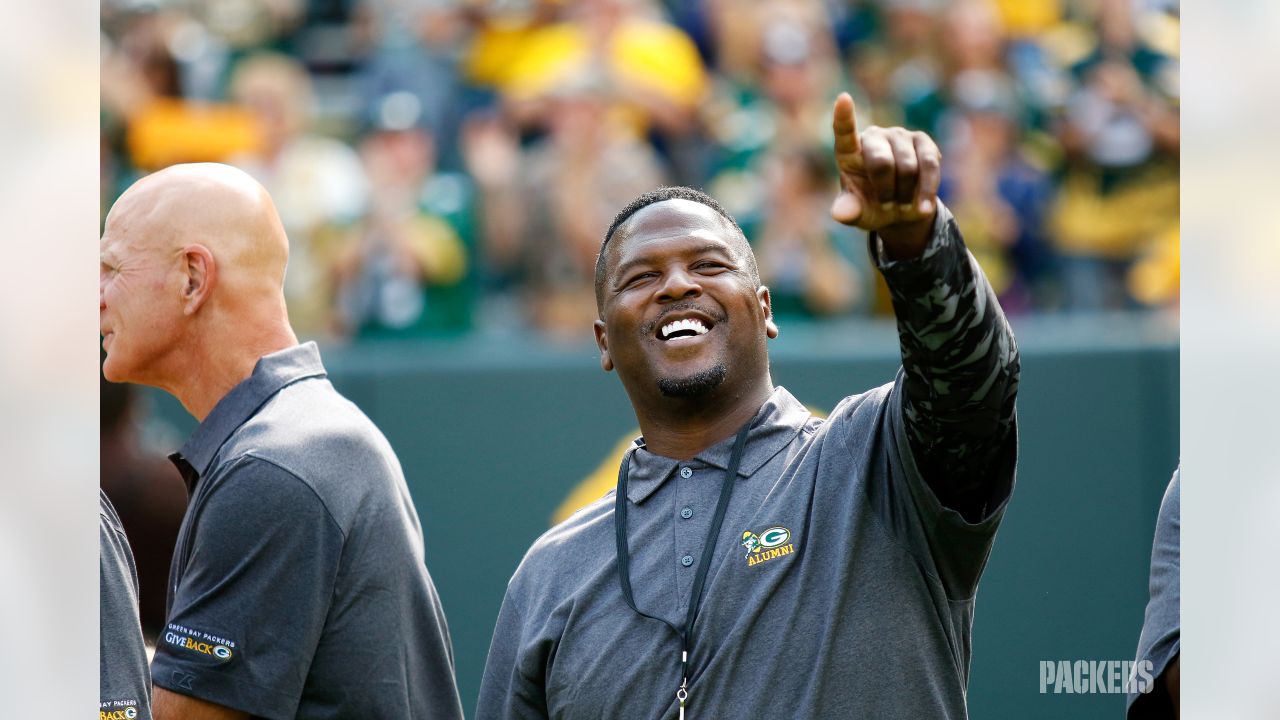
<point>847,208</point>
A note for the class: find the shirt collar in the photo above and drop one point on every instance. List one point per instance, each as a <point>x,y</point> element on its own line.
<point>772,429</point>
<point>270,374</point>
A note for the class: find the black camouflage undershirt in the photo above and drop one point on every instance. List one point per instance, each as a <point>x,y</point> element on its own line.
<point>961,366</point>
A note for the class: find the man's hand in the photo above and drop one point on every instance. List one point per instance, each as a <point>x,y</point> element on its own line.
<point>888,181</point>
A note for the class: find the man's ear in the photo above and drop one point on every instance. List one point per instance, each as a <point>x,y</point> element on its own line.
<point>200,275</point>
<point>602,342</point>
<point>766,305</point>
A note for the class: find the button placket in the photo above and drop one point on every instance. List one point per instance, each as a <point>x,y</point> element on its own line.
<point>690,529</point>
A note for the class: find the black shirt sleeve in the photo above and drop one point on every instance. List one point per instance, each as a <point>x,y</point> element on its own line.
<point>125,682</point>
<point>253,598</point>
<point>960,371</point>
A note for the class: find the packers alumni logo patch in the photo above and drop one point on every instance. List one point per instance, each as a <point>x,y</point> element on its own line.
<point>770,544</point>
<point>199,643</point>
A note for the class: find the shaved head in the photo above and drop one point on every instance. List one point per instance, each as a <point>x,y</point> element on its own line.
<point>215,205</point>
<point>192,282</point>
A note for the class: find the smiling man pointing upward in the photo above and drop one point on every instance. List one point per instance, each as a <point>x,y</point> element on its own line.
<point>756,561</point>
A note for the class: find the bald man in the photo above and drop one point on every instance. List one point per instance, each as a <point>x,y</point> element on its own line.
<point>298,587</point>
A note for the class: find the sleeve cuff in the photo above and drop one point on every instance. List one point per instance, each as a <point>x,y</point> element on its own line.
<point>943,247</point>
<point>1001,487</point>
<point>221,688</point>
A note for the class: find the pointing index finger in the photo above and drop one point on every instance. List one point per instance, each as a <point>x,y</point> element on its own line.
<point>845,127</point>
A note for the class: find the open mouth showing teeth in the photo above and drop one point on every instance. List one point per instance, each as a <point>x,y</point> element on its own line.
<point>691,327</point>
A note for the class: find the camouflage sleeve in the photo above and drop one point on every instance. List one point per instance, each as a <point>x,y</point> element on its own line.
<point>960,365</point>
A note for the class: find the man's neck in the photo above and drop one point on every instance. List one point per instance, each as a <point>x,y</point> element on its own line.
<point>682,428</point>
<point>211,374</point>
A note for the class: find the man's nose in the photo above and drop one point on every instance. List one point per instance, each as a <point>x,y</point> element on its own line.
<point>679,284</point>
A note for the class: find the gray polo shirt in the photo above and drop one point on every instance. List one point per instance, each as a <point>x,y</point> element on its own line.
<point>841,587</point>
<point>1160,641</point>
<point>298,587</point>
<point>124,681</point>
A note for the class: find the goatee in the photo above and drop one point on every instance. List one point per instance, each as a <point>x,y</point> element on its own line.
<point>695,385</point>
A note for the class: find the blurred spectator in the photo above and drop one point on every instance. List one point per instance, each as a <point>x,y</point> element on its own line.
<point>782,107</point>
<point>155,105</point>
<point>148,495</point>
<point>1120,132</point>
<point>911,33</point>
<point>414,47</point>
<point>491,148</point>
<point>500,34</point>
<point>997,196</point>
<point>404,267</point>
<point>978,53</point>
<point>535,120</point>
<point>795,242</point>
<point>250,24</point>
<point>799,73</point>
<point>138,65</point>
<point>972,38</point>
<point>654,69</point>
<point>317,183</point>
<point>735,31</point>
<point>564,191</point>
<point>871,68</point>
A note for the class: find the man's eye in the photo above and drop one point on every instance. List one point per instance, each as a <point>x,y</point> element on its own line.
<point>709,265</point>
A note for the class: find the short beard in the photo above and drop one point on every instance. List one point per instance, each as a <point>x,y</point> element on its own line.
<point>696,385</point>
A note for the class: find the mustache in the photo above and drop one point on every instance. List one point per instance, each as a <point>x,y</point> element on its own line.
<point>652,326</point>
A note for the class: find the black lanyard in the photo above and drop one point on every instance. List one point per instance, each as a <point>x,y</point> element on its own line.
<point>708,551</point>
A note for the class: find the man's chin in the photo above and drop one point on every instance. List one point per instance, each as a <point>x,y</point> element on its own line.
<point>699,384</point>
<point>110,372</point>
<point>118,371</point>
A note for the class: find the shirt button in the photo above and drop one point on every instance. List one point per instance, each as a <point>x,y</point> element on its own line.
<point>686,513</point>
<point>685,473</point>
<point>687,560</point>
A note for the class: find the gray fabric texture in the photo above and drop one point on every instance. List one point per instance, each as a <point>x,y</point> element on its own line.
<point>1160,640</point>
<point>841,586</point>
<point>124,680</point>
<point>298,586</point>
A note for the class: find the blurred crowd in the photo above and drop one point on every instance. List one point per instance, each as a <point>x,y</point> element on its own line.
<point>449,166</point>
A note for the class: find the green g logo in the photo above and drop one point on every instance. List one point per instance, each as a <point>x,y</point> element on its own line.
<point>774,536</point>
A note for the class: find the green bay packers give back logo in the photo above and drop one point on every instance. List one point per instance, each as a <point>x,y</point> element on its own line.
<point>768,545</point>
<point>206,645</point>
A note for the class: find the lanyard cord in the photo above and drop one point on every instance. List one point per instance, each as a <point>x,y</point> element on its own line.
<point>708,550</point>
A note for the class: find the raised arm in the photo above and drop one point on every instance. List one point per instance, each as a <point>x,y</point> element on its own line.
<point>959,359</point>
